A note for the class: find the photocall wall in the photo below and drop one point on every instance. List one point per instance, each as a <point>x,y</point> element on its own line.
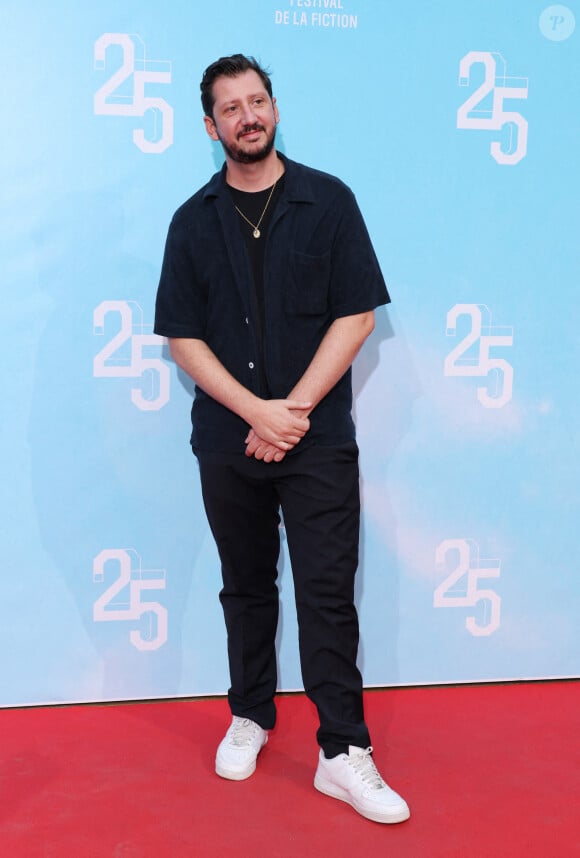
<point>457,126</point>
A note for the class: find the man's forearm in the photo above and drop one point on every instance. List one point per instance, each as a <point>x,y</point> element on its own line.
<point>200,363</point>
<point>281,422</point>
<point>335,354</point>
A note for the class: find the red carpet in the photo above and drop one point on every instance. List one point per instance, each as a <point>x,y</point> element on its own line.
<point>488,771</point>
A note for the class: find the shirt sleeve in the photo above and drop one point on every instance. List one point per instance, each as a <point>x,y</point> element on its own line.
<point>357,283</point>
<point>180,307</point>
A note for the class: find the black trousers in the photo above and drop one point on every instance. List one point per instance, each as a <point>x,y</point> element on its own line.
<point>318,492</point>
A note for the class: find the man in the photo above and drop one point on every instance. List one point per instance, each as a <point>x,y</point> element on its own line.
<point>267,292</point>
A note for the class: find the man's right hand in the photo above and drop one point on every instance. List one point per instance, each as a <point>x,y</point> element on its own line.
<point>260,449</point>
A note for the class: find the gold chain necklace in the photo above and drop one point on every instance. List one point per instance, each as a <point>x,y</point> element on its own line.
<point>256,226</point>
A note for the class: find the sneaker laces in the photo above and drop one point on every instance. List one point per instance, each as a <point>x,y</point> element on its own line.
<point>242,731</point>
<point>364,766</point>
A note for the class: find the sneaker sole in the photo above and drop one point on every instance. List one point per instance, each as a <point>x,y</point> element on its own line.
<point>386,817</point>
<point>232,775</point>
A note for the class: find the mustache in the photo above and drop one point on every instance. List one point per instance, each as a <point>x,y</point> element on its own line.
<point>255,126</point>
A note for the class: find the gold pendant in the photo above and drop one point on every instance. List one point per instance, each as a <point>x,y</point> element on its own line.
<point>256,233</point>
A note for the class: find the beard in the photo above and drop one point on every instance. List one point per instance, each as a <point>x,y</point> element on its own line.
<point>241,156</point>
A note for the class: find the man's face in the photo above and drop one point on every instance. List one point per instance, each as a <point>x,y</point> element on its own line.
<point>244,117</point>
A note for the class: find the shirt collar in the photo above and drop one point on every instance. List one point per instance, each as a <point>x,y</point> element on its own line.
<point>297,186</point>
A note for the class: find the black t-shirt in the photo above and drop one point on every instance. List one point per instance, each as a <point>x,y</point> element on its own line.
<point>257,207</point>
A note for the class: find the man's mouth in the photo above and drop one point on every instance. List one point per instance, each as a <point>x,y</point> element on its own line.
<point>249,132</point>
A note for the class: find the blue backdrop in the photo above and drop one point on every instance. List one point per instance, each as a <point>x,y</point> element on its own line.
<point>457,126</point>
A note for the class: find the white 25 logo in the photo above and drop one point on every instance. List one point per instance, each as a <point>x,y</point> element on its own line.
<point>471,357</point>
<point>132,580</point>
<point>113,100</point>
<point>477,113</point>
<point>452,594</point>
<point>123,356</point>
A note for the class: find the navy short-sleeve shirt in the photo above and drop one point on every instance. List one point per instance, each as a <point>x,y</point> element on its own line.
<point>319,265</point>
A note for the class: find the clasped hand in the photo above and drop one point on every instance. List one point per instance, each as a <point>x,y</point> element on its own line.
<point>277,426</point>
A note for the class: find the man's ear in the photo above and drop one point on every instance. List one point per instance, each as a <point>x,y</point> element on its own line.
<point>210,127</point>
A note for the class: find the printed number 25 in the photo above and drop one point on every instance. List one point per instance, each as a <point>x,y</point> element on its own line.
<point>136,580</point>
<point>471,115</point>
<point>108,102</point>
<point>444,597</point>
<point>105,365</point>
<point>457,364</point>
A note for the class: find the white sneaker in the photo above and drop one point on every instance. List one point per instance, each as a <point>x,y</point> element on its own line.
<point>238,750</point>
<point>354,778</point>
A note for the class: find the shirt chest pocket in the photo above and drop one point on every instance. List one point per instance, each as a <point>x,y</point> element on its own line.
<point>308,287</point>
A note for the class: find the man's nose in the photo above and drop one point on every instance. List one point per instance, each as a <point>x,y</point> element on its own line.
<point>248,114</point>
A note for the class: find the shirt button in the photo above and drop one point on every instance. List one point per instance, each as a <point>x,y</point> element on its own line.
<point>251,365</point>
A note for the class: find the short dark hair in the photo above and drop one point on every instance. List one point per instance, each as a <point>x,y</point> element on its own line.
<point>229,67</point>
